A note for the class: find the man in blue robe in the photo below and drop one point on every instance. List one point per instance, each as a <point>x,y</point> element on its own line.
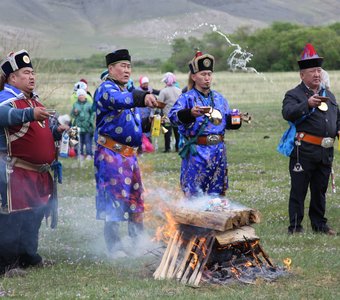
<point>118,135</point>
<point>202,116</point>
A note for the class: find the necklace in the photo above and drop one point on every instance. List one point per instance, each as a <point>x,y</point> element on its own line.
<point>206,101</point>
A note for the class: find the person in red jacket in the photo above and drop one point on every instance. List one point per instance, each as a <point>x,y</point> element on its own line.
<point>27,150</point>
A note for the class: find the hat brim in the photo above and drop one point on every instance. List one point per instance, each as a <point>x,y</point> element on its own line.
<point>310,63</point>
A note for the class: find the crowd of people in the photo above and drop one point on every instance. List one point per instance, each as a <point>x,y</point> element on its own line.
<point>117,117</point>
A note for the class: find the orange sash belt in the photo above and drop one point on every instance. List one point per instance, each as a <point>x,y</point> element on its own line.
<point>325,142</point>
<point>111,144</point>
<point>211,139</point>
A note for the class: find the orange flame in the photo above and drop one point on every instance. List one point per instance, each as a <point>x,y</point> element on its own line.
<point>165,232</point>
<point>194,260</point>
<point>198,247</point>
<point>248,264</point>
<point>235,271</point>
<point>287,261</point>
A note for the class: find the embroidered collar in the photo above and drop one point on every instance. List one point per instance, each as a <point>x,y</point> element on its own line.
<point>206,100</point>
<point>120,85</point>
<point>18,93</point>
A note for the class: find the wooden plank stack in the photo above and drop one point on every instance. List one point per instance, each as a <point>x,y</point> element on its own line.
<point>185,260</point>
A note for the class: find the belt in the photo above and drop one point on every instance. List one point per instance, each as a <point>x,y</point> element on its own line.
<point>111,144</point>
<point>20,163</point>
<point>325,142</point>
<point>211,139</point>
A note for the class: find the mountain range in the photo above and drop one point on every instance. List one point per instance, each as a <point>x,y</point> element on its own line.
<point>78,28</point>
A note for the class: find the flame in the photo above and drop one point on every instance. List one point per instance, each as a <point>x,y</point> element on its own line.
<point>248,264</point>
<point>194,260</point>
<point>165,232</point>
<point>287,261</point>
<point>235,272</point>
<point>197,247</point>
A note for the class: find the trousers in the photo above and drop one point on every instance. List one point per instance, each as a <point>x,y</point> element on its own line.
<point>19,235</point>
<point>112,236</point>
<point>314,175</point>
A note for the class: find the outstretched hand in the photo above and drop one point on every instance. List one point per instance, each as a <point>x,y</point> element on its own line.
<point>314,101</point>
<point>61,128</point>
<point>196,111</point>
<point>150,101</point>
<point>40,114</point>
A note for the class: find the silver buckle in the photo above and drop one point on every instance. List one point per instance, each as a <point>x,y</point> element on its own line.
<point>327,142</point>
<point>117,147</point>
<point>213,139</point>
<point>102,140</point>
<point>44,168</point>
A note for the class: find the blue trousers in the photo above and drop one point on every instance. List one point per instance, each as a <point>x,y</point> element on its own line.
<point>86,141</point>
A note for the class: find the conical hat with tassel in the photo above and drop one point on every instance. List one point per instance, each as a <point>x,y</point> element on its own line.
<point>309,58</point>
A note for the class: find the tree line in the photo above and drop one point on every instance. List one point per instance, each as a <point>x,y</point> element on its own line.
<point>276,48</point>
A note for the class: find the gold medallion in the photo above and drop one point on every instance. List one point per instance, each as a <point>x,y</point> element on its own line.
<point>323,106</point>
<point>26,59</point>
<point>207,62</point>
<point>215,117</point>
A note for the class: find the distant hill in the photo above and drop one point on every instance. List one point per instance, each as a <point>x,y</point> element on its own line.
<point>79,28</point>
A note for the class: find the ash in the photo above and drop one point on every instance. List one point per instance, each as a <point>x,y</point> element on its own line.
<point>239,264</point>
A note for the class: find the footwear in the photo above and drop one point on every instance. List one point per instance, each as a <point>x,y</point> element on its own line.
<point>325,230</point>
<point>45,263</point>
<point>166,151</point>
<point>331,232</point>
<point>295,230</point>
<point>15,272</point>
<point>88,157</point>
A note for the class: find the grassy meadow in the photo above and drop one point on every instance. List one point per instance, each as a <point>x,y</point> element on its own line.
<point>258,178</point>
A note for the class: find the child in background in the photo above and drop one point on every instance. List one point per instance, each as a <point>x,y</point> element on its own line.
<point>82,84</point>
<point>83,117</point>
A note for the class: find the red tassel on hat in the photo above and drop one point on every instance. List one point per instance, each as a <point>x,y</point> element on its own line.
<point>309,52</point>
<point>198,53</point>
<point>309,58</point>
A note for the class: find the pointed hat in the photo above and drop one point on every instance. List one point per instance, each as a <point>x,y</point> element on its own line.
<point>309,58</point>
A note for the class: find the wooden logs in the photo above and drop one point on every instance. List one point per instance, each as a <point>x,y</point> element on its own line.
<point>221,220</point>
<point>188,266</point>
<point>236,235</point>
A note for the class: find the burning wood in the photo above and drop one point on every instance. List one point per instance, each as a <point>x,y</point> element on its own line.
<point>216,246</point>
<point>189,269</point>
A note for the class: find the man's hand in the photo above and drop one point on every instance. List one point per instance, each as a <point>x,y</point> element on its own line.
<point>40,114</point>
<point>150,101</point>
<point>314,101</point>
<point>196,111</point>
<point>61,128</point>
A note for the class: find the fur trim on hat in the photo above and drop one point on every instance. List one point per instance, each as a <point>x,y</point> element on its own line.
<point>202,62</point>
<point>15,61</point>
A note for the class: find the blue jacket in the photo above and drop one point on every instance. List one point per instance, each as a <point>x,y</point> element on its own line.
<point>117,113</point>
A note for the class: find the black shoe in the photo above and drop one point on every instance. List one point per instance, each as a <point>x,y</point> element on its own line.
<point>294,230</point>
<point>324,230</point>
<point>166,151</point>
<point>16,272</point>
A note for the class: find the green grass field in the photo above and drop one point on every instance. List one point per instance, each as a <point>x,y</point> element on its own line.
<point>258,178</point>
